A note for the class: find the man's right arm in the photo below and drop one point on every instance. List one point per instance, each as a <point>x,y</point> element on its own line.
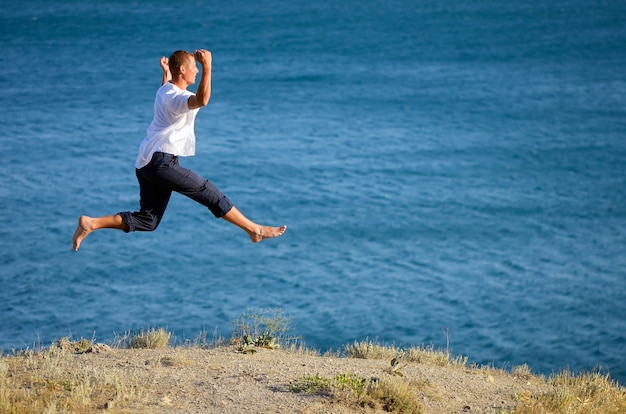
<point>203,94</point>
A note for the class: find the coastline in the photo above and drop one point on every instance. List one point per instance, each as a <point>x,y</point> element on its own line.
<point>223,379</point>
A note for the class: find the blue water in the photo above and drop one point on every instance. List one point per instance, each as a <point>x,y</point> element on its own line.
<point>450,166</point>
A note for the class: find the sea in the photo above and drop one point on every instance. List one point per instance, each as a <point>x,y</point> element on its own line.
<point>452,174</point>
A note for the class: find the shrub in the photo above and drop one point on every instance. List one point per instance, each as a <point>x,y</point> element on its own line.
<point>151,339</point>
<point>395,396</point>
<point>587,393</point>
<point>263,328</point>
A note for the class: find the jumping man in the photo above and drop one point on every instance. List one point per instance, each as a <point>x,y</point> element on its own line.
<point>170,135</point>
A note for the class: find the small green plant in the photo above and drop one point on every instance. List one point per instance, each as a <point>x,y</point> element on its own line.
<point>312,384</point>
<point>316,384</point>
<point>352,383</point>
<point>264,328</point>
<point>392,395</point>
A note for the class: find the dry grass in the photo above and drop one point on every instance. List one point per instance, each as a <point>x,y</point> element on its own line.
<point>50,381</point>
<point>587,393</point>
<point>370,350</point>
<point>170,361</point>
<point>42,382</point>
<point>151,339</point>
<point>395,396</point>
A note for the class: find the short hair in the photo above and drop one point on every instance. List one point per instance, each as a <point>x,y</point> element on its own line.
<point>178,59</point>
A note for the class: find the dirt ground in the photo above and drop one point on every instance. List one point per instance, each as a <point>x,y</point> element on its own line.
<point>223,380</point>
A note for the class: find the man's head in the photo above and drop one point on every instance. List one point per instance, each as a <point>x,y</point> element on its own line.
<point>181,63</point>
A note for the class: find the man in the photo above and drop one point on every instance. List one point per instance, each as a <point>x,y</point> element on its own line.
<point>170,135</point>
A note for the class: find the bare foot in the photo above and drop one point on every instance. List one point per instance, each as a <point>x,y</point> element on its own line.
<point>265,232</point>
<point>85,226</point>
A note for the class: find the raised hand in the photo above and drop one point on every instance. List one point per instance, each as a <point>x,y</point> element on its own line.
<point>165,66</point>
<point>203,57</point>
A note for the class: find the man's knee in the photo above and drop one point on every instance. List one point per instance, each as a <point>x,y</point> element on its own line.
<point>141,221</point>
<point>222,207</point>
<point>150,222</point>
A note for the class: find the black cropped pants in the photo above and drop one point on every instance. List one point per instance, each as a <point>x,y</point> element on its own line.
<point>158,179</point>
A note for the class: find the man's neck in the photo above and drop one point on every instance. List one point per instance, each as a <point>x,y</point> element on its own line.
<point>180,82</point>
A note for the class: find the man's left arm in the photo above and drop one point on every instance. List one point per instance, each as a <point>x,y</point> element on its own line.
<point>167,75</point>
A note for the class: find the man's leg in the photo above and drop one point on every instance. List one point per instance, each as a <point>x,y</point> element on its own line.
<point>153,202</point>
<point>88,224</point>
<point>201,190</point>
<point>255,232</point>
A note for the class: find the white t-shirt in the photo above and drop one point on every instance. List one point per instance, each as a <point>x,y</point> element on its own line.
<point>172,128</point>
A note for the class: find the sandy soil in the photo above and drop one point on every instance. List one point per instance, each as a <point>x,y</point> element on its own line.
<point>223,380</point>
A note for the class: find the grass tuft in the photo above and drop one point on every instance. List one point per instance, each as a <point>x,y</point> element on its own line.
<point>394,396</point>
<point>370,350</point>
<point>80,346</point>
<point>587,393</point>
<point>149,339</point>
